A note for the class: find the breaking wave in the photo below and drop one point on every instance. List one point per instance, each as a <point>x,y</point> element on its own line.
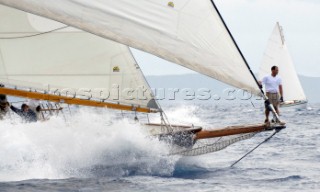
<point>92,143</point>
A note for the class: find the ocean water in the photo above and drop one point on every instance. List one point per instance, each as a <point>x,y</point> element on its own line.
<point>95,151</point>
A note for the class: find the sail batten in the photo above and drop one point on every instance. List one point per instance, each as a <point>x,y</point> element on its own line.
<point>190,33</point>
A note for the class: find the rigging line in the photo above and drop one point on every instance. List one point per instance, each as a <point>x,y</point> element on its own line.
<point>238,48</point>
<point>166,120</point>
<point>247,64</point>
<point>3,66</point>
<point>253,104</point>
<point>266,140</point>
<point>38,34</point>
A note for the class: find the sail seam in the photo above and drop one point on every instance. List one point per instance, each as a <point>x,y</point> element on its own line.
<point>34,35</point>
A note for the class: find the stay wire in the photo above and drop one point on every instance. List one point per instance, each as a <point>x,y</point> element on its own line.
<point>266,140</point>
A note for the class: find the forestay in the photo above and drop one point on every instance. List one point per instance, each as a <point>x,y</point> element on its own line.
<point>67,61</point>
<point>186,32</point>
<point>277,54</point>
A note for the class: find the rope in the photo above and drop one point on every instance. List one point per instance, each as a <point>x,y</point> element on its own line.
<point>38,34</point>
<point>267,139</point>
<point>253,104</point>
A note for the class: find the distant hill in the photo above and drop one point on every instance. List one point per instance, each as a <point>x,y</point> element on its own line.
<point>196,81</point>
<point>311,88</point>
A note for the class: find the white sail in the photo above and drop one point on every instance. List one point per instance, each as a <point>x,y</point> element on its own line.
<point>277,54</point>
<point>187,32</point>
<point>68,61</point>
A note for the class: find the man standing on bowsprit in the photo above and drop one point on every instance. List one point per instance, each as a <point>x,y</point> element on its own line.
<point>273,87</point>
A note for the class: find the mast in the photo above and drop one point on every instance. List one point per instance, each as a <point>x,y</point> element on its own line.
<point>245,61</point>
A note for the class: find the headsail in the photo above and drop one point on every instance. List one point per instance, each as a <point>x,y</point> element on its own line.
<point>68,61</point>
<point>186,32</point>
<point>277,54</point>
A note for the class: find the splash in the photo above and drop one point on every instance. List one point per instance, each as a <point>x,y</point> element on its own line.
<point>183,114</point>
<point>92,143</point>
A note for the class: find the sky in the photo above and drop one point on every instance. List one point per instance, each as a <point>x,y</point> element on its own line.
<point>251,23</point>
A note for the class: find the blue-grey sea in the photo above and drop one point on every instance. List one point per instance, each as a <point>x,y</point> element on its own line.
<point>95,151</point>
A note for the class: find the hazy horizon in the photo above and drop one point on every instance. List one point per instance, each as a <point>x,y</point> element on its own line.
<point>197,81</point>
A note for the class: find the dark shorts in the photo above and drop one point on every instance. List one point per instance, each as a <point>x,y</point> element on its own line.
<point>274,99</point>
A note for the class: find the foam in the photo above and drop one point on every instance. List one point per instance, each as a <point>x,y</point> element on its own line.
<point>92,143</point>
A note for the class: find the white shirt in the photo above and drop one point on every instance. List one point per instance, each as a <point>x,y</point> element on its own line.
<point>272,83</point>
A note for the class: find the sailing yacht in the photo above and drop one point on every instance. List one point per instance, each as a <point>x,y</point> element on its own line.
<point>277,53</point>
<point>71,62</point>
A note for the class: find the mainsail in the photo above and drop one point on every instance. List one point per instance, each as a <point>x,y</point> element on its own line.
<point>277,53</point>
<point>190,33</point>
<point>43,55</point>
<point>187,32</point>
